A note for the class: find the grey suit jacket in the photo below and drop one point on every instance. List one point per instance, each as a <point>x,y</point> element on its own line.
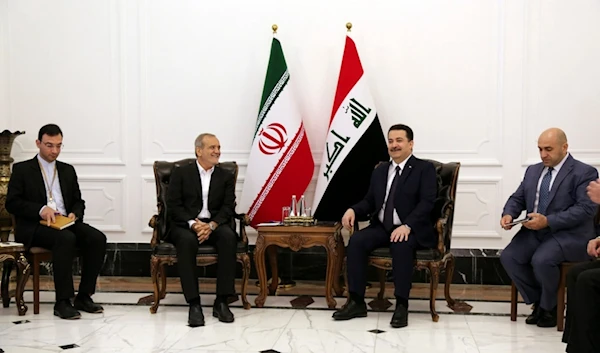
<point>570,212</point>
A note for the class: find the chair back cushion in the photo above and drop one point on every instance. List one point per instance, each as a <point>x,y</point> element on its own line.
<point>447,178</point>
<point>162,176</point>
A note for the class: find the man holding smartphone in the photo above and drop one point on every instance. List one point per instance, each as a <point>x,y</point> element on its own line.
<point>553,193</point>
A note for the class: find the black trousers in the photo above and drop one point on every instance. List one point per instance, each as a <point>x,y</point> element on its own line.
<point>64,244</point>
<point>363,242</point>
<point>583,308</point>
<point>186,243</point>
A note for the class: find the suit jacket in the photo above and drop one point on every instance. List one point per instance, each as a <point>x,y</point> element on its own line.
<point>27,195</point>
<point>570,212</point>
<point>184,197</point>
<point>414,200</point>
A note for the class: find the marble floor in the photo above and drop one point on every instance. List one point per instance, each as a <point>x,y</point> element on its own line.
<point>128,327</point>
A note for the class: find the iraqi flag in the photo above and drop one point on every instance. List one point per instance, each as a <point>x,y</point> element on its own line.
<point>280,163</point>
<point>355,142</point>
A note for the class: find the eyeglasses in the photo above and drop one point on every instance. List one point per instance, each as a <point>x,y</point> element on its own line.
<point>53,146</point>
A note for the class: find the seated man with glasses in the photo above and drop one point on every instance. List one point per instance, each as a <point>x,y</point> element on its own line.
<point>40,189</point>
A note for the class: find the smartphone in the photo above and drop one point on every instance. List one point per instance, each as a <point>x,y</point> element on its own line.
<point>519,221</point>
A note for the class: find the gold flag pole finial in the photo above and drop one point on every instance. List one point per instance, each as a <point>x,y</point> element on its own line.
<point>274,27</point>
<point>349,26</point>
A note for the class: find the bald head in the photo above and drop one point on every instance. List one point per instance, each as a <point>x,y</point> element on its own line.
<point>553,146</point>
<point>554,134</point>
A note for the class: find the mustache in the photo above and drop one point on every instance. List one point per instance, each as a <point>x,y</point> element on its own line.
<point>395,149</point>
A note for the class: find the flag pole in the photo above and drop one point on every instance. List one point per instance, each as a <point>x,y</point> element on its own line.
<point>349,26</point>
<point>274,28</point>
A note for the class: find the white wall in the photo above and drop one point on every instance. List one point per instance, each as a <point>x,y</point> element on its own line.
<point>134,81</point>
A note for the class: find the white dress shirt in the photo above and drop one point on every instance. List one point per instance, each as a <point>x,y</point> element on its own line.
<point>390,179</point>
<point>205,176</point>
<point>554,174</point>
<point>56,191</point>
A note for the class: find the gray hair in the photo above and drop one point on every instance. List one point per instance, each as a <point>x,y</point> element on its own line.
<point>200,139</point>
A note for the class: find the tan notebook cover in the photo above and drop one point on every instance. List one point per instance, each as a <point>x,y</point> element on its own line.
<point>61,222</point>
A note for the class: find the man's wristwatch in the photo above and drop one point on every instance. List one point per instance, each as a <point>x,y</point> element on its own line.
<point>211,226</point>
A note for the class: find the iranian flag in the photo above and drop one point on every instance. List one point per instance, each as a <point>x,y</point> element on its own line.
<point>280,163</point>
<point>355,142</point>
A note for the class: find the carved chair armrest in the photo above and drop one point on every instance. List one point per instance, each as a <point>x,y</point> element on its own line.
<point>244,221</point>
<point>440,227</point>
<point>153,223</point>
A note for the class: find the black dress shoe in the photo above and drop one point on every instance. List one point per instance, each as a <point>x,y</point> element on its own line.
<point>400,317</point>
<point>65,310</point>
<point>85,303</point>
<point>547,318</point>
<point>195,317</point>
<point>350,311</point>
<point>222,312</point>
<point>533,318</point>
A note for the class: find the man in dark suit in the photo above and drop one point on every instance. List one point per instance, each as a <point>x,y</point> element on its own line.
<point>553,193</point>
<point>200,205</point>
<point>583,299</point>
<point>39,189</point>
<point>400,199</point>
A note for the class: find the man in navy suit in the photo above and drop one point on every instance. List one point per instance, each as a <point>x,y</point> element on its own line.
<point>554,195</point>
<point>399,201</point>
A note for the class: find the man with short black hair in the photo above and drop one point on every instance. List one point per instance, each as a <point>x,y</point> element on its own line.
<point>40,189</point>
<point>400,199</point>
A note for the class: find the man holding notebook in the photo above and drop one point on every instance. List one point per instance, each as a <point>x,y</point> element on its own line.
<point>44,196</point>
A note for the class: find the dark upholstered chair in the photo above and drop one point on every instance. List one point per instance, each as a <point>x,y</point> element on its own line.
<point>163,252</point>
<point>433,260</point>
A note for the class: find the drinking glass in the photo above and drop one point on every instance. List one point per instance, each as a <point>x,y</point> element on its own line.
<point>285,212</point>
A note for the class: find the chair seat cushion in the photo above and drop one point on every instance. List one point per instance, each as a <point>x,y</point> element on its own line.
<point>168,249</point>
<point>38,250</point>
<point>422,254</point>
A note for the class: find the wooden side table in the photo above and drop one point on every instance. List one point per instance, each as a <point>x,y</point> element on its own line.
<point>296,238</point>
<point>14,253</point>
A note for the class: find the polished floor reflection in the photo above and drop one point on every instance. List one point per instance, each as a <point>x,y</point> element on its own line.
<point>127,327</point>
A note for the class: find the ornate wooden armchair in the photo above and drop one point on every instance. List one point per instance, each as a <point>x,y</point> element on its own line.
<point>163,252</point>
<point>433,260</point>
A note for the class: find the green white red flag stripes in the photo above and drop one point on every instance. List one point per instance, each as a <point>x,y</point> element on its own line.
<point>280,163</point>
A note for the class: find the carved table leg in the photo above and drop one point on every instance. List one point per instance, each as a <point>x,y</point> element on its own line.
<point>8,265</point>
<point>330,246</point>
<point>23,269</point>
<point>261,270</point>
<point>341,253</point>
<point>272,254</point>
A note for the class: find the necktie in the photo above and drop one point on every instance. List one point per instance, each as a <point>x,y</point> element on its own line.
<point>388,213</point>
<point>545,192</point>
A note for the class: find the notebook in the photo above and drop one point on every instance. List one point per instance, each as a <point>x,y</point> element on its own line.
<point>61,222</point>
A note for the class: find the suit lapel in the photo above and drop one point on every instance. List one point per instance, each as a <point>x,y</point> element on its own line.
<point>405,172</point>
<point>383,186</point>
<point>38,178</point>
<point>63,180</point>
<point>562,174</point>
<point>195,175</point>
<point>532,191</point>
<point>214,179</point>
